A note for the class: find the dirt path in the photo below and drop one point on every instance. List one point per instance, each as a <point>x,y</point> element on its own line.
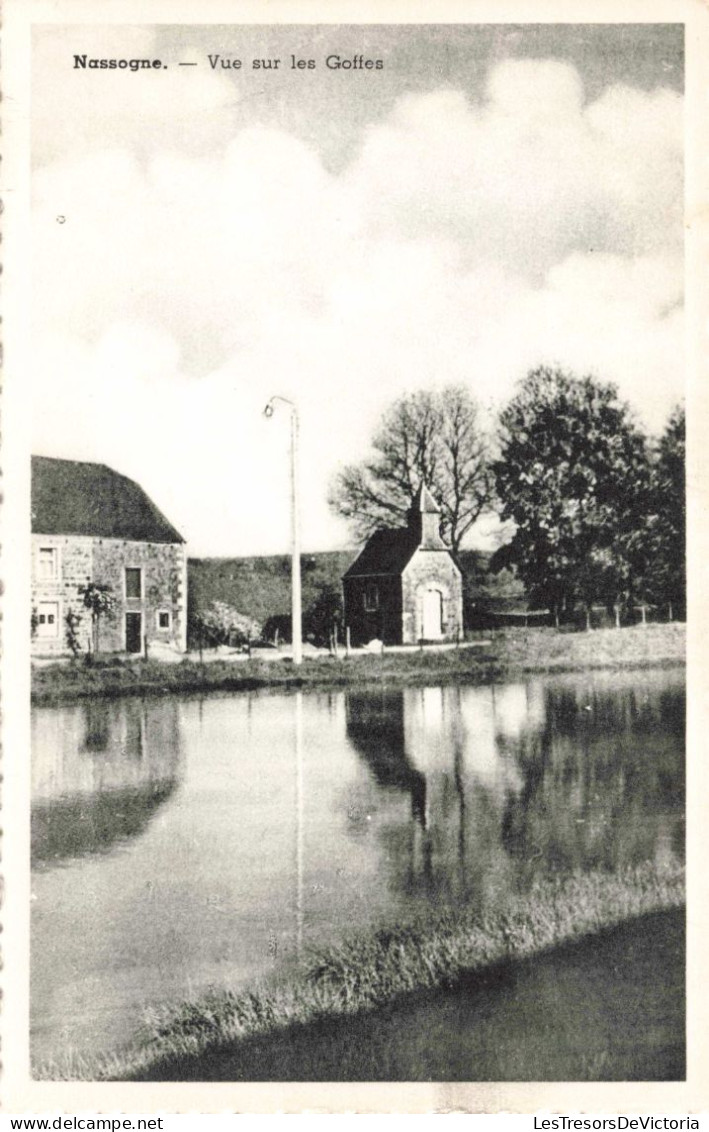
<point>610,1008</point>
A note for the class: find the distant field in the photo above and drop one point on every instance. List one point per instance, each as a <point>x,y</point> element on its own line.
<point>546,650</point>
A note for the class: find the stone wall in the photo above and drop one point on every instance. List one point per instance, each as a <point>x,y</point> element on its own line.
<point>382,623</point>
<point>74,566</point>
<point>103,561</point>
<point>431,569</point>
<point>163,590</point>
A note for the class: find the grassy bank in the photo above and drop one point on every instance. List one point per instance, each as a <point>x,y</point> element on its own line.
<point>373,971</point>
<point>507,652</point>
<point>607,1007</point>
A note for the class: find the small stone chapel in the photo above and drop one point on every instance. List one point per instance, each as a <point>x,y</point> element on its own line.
<point>405,588</point>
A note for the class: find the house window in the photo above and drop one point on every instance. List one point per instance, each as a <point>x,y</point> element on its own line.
<point>133,581</point>
<point>47,563</point>
<point>163,619</point>
<point>48,619</point>
<point>371,597</point>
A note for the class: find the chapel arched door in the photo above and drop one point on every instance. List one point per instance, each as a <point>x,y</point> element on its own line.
<point>432,615</point>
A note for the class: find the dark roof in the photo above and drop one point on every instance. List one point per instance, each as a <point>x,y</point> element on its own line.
<point>72,498</point>
<point>386,552</point>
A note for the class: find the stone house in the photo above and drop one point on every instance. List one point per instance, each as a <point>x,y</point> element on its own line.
<point>405,586</point>
<point>90,524</point>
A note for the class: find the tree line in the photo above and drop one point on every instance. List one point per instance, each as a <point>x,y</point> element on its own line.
<point>594,505</point>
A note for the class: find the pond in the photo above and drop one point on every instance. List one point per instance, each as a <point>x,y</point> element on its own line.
<point>180,843</point>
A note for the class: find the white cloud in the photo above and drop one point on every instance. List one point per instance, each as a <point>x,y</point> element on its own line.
<point>531,175</point>
<point>462,243</point>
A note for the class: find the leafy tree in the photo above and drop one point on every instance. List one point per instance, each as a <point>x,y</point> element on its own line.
<point>323,618</point>
<point>574,476</point>
<point>100,600</point>
<point>430,436</point>
<point>666,566</point>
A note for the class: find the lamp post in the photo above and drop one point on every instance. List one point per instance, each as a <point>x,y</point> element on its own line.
<point>296,617</point>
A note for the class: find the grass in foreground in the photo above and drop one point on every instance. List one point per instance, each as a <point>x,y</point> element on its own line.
<point>373,970</point>
<point>607,1007</point>
<point>514,650</point>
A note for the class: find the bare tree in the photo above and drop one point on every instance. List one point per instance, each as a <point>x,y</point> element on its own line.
<point>427,436</point>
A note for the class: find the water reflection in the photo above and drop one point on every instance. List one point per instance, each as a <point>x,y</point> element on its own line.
<point>510,781</point>
<point>607,765</point>
<point>202,842</point>
<point>100,771</point>
<point>299,823</point>
<point>375,725</point>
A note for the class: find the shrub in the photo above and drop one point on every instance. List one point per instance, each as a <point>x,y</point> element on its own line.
<point>72,621</point>
<point>221,624</point>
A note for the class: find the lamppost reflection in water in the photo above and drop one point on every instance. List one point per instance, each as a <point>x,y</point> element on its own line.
<point>413,799</point>
<point>299,820</point>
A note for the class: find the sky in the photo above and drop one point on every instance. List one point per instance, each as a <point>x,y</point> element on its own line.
<point>490,199</point>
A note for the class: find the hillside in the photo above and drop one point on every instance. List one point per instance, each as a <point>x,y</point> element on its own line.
<point>260,586</point>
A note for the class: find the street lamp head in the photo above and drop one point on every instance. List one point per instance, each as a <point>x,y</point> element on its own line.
<point>271,406</point>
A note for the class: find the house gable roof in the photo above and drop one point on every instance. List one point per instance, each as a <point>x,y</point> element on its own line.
<point>73,498</point>
<point>386,552</point>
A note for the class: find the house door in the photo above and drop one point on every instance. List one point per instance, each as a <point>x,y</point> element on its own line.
<point>134,634</point>
<point>432,615</point>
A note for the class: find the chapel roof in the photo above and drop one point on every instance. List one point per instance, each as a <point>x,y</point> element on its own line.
<point>386,552</point>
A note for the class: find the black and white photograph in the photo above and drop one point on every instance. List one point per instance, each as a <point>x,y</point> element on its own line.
<point>356,611</point>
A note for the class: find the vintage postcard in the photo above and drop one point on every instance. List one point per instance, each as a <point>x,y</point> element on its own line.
<point>349,355</point>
